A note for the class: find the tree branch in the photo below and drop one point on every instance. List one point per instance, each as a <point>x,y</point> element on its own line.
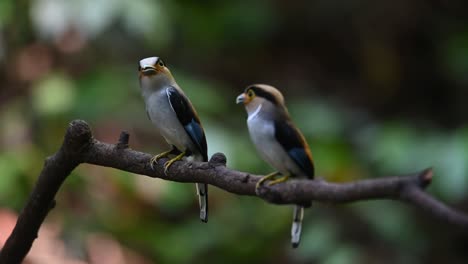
<point>79,146</point>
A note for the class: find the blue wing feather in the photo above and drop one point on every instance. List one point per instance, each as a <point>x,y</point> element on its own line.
<point>294,143</point>
<point>189,120</point>
<point>196,133</point>
<point>299,155</point>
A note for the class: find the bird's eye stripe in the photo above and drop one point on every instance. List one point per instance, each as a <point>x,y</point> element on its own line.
<point>264,94</point>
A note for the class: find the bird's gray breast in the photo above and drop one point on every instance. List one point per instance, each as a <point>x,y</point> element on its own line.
<point>165,119</point>
<point>262,133</point>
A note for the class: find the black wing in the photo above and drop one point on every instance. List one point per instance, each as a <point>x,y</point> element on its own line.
<point>189,119</point>
<point>295,145</point>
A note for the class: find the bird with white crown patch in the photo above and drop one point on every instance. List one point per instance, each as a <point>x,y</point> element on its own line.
<point>278,141</point>
<point>170,110</point>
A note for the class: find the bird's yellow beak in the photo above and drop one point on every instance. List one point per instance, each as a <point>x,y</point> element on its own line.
<point>148,70</point>
<point>242,98</point>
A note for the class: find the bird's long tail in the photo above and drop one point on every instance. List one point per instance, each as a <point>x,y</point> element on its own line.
<point>297,225</point>
<point>202,192</point>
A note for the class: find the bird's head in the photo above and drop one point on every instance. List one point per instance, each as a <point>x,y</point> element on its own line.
<point>257,95</point>
<point>153,72</point>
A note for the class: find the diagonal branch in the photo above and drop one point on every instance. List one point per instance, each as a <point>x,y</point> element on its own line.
<point>79,146</point>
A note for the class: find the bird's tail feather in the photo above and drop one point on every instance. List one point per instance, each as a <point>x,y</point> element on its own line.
<point>202,192</point>
<point>297,225</point>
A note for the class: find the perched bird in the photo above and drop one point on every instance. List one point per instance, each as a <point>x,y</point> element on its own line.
<point>172,113</point>
<point>278,141</point>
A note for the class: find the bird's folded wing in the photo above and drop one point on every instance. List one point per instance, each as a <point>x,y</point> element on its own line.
<point>293,142</point>
<point>189,119</point>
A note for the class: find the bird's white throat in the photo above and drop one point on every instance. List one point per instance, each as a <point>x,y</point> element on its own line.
<point>152,84</point>
<point>255,112</point>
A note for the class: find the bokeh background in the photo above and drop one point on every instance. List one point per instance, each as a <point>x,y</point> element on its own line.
<point>378,87</point>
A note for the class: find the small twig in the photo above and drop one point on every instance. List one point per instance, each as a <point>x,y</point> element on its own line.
<point>80,147</point>
<point>123,140</point>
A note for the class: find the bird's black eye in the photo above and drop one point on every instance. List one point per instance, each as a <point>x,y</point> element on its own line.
<point>161,63</point>
<point>250,93</point>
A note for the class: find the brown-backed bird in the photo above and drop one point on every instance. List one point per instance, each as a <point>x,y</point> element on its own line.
<point>170,110</point>
<point>279,142</point>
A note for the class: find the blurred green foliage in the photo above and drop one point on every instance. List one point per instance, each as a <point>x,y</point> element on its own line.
<point>378,88</point>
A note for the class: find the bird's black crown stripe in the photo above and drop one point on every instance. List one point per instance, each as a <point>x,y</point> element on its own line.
<point>262,93</point>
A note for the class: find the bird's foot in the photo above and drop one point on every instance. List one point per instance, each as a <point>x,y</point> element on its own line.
<point>154,160</point>
<point>265,178</point>
<point>282,179</point>
<point>168,164</point>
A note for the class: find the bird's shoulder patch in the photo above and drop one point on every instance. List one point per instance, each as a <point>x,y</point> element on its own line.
<point>188,118</point>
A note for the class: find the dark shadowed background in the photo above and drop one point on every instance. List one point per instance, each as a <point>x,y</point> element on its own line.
<point>378,87</point>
